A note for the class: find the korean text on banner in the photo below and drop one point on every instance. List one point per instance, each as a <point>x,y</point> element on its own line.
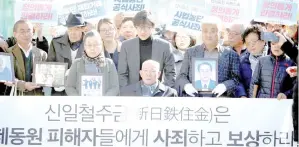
<point>129,5</point>
<point>280,12</point>
<point>227,10</point>
<point>185,16</point>
<point>38,11</point>
<point>125,121</point>
<point>89,9</point>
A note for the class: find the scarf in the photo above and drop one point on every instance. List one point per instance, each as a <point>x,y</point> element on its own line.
<point>76,45</point>
<point>98,60</point>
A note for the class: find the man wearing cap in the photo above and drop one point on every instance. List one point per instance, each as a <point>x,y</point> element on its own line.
<point>69,46</point>
<point>144,47</point>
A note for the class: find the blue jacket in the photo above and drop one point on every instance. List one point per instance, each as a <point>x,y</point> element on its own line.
<point>269,74</point>
<point>245,76</point>
<point>228,69</point>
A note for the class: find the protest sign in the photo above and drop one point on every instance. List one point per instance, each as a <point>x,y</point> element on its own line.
<point>39,11</point>
<point>130,7</point>
<point>227,10</point>
<point>280,12</point>
<point>186,17</point>
<point>89,9</point>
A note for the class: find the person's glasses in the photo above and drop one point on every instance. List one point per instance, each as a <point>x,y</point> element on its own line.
<point>30,32</point>
<point>144,28</point>
<point>182,37</point>
<point>233,33</point>
<point>107,30</point>
<point>251,43</point>
<point>149,71</point>
<point>128,27</point>
<point>204,70</point>
<point>93,45</point>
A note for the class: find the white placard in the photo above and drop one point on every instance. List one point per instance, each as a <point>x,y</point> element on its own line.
<point>91,85</point>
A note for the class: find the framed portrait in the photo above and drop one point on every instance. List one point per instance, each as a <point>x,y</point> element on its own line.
<point>91,85</point>
<point>205,73</point>
<point>7,72</point>
<point>50,74</point>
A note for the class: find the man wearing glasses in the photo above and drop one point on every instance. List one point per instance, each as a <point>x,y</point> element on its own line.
<point>145,47</point>
<point>25,55</point>
<point>68,47</point>
<point>149,85</point>
<point>235,32</point>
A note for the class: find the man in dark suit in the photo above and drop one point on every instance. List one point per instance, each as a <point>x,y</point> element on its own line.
<point>144,47</point>
<point>149,85</point>
<point>205,83</point>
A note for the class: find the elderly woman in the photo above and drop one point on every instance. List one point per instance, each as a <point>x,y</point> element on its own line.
<point>255,48</point>
<point>93,61</point>
<point>228,63</point>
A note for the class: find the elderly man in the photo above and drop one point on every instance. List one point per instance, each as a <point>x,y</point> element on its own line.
<point>235,32</point>
<point>67,48</point>
<point>144,47</point>
<point>149,85</point>
<point>228,63</point>
<point>25,55</point>
<point>40,42</point>
<point>205,82</point>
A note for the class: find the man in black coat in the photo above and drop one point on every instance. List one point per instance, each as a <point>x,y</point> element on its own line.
<point>291,49</point>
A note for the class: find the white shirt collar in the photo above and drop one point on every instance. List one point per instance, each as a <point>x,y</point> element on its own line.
<point>27,53</point>
<point>203,84</point>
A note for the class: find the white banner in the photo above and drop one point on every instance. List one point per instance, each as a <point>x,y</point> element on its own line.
<point>141,122</point>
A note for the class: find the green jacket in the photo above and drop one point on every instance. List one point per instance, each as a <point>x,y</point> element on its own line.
<point>19,66</point>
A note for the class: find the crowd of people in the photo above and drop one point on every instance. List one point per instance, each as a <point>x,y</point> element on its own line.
<point>248,66</point>
<point>136,62</point>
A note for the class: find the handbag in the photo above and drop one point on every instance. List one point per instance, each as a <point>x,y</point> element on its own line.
<point>14,91</point>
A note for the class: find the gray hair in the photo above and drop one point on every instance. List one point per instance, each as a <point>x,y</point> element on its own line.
<point>16,25</point>
<point>152,62</point>
<point>212,20</point>
<point>241,24</point>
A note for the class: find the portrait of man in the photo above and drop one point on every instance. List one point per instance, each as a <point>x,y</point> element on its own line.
<point>50,74</point>
<point>206,80</point>
<point>49,80</point>
<point>6,73</point>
